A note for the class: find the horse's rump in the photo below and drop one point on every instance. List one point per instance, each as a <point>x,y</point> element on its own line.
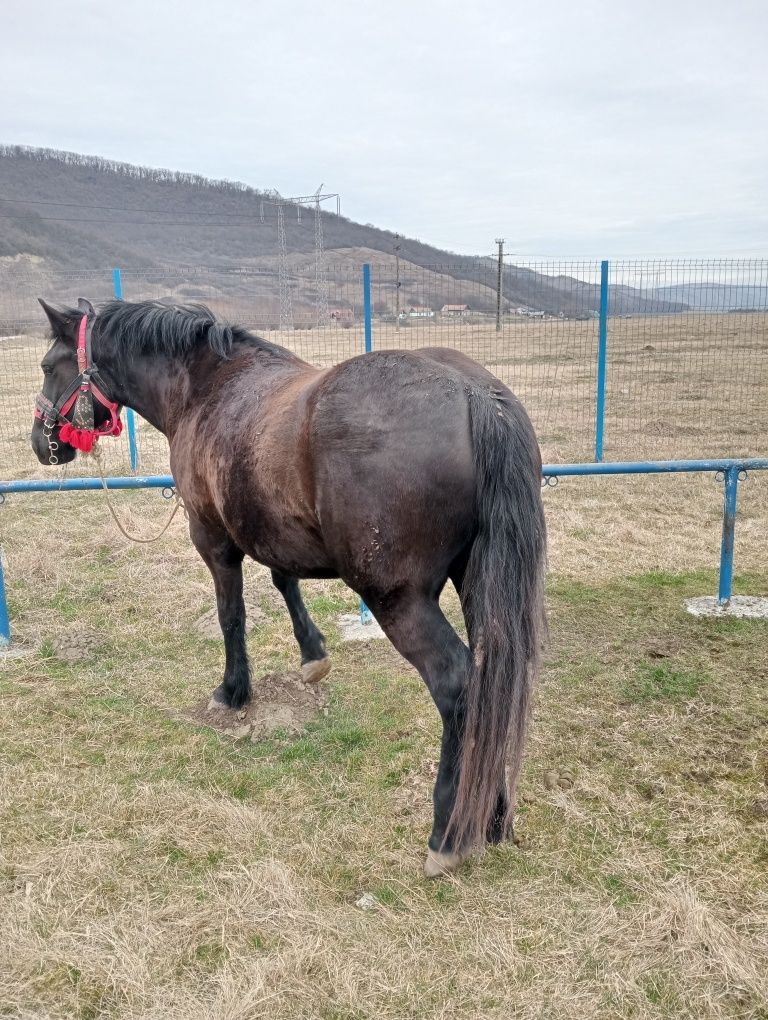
<point>394,478</point>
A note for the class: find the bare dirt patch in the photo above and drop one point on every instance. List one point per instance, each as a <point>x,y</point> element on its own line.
<point>282,704</point>
<point>73,647</point>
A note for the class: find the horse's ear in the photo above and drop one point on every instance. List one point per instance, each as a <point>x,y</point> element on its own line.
<point>64,321</point>
<point>85,306</point>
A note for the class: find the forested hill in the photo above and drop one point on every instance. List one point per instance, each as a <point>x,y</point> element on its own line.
<point>79,211</point>
<point>65,211</point>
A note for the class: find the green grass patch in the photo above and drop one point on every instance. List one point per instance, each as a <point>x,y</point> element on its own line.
<point>388,894</point>
<point>210,955</point>
<point>618,889</point>
<point>663,682</point>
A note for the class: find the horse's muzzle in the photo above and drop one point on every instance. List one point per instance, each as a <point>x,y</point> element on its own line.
<point>64,453</point>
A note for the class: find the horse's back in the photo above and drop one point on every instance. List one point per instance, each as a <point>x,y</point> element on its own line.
<point>461,363</point>
<point>389,403</point>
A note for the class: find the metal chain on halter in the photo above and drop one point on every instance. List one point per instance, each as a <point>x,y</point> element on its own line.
<point>97,456</point>
<point>52,444</point>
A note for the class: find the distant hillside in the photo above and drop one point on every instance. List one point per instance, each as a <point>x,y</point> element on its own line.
<point>715,297</point>
<point>63,212</point>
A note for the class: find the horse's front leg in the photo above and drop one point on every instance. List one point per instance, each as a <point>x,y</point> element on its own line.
<point>225,562</point>
<point>315,663</point>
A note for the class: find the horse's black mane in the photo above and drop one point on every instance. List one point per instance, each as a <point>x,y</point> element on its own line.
<point>158,327</point>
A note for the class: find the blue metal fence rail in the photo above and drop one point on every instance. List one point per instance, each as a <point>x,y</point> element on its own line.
<point>730,470</point>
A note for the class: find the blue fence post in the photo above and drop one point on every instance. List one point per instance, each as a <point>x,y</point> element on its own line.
<point>130,417</point>
<point>366,616</point>
<point>602,354</point>
<point>729,534</point>
<point>367,307</point>
<point>5,623</point>
<point>117,284</point>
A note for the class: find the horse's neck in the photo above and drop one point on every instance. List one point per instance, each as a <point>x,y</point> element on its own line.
<point>162,389</point>
<point>155,387</point>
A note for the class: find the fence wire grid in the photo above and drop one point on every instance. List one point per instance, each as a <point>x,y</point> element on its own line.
<point>686,353</point>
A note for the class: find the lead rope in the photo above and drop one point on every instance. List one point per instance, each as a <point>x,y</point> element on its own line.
<point>96,454</point>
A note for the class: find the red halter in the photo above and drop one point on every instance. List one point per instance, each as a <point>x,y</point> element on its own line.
<point>80,431</point>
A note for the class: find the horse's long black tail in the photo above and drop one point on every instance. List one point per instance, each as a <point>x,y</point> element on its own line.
<point>503,599</point>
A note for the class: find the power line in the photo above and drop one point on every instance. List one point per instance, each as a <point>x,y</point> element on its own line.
<point>263,200</point>
<point>242,221</point>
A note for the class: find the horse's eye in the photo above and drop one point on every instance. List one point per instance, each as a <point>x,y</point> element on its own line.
<point>47,369</point>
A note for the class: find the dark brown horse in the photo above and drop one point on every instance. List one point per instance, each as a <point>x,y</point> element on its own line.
<point>395,470</point>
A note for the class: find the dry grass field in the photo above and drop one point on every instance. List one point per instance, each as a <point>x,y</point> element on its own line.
<point>154,868</point>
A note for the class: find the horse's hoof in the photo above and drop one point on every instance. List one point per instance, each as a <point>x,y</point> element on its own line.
<point>437,864</point>
<point>313,672</point>
<point>218,701</point>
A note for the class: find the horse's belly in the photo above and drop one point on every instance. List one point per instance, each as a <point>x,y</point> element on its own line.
<point>287,545</point>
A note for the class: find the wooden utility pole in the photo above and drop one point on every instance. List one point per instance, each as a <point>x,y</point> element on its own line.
<point>397,283</point>
<point>499,282</point>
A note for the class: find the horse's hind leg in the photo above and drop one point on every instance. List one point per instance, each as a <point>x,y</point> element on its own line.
<point>415,625</point>
<point>315,663</point>
<point>225,562</point>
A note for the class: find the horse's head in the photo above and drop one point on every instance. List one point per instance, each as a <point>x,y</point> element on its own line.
<point>71,410</point>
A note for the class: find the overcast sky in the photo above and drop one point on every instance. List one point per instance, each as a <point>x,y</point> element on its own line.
<point>590,128</point>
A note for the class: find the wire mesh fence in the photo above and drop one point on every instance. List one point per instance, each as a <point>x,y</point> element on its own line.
<point>547,357</point>
<point>688,358</point>
<point>686,355</point>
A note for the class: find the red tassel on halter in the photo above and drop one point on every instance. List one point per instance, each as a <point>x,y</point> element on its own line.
<point>80,439</point>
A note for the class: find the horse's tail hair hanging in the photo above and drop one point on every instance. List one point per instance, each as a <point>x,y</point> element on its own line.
<point>503,597</point>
